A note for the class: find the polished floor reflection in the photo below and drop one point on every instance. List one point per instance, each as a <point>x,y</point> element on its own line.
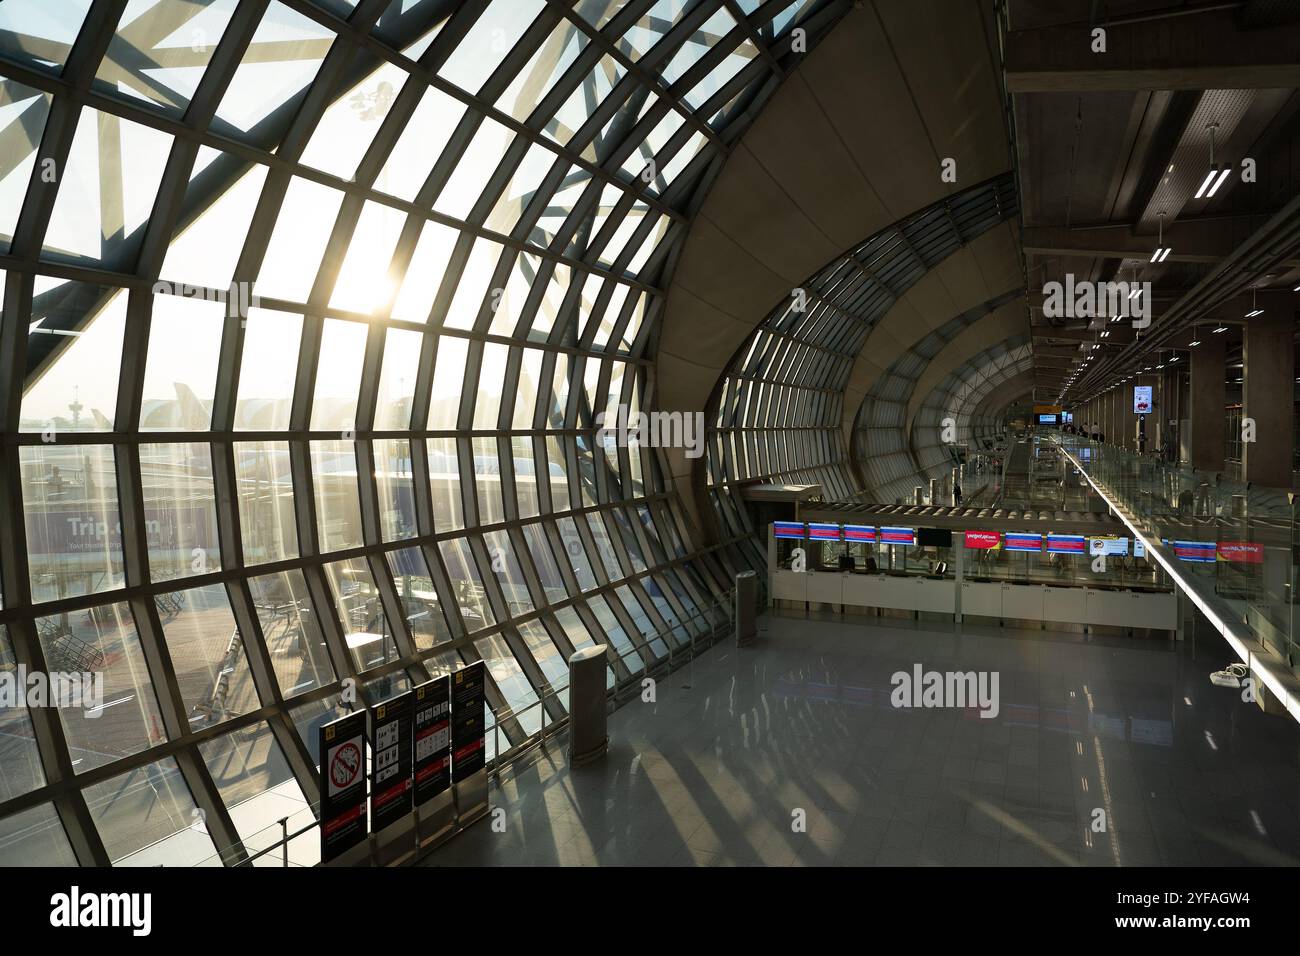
<point>716,771</point>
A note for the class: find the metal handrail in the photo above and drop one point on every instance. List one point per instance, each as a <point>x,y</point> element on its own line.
<point>545,692</point>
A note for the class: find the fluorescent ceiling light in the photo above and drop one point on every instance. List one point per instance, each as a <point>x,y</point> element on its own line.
<point>1222,328</point>
<point>1219,182</point>
<point>1206,182</point>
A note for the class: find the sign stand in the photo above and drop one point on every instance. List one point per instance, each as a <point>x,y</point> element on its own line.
<point>344,823</point>
<point>390,787</point>
<point>469,743</point>
<point>434,808</point>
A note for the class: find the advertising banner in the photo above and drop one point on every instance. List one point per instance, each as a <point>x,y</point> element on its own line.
<point>859,532</point>
<point>788,529</point>
<point>1196,551</point>
<point>1066,544</point>
<point>1109,545</point>
<point>1243,552</point>
<point>983,539</point>
<point>1141,399</point>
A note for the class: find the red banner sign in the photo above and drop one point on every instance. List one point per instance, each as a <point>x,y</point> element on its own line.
<point>1243,552</point>
<point>983,539</point>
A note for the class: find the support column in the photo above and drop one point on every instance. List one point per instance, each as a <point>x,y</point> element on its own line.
<point>1208,395</point>
<point>1268,372</point>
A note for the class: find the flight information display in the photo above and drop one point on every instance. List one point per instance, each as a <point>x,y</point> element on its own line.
<point>1023,541</point>
<point>903,536</point>
<point>824,532</point>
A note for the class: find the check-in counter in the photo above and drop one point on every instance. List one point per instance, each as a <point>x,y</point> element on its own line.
<point>1155,609</point>
<point>787,585</point>
<point>982,597</point>
<point>990,599</point>
<point>1063,604</point>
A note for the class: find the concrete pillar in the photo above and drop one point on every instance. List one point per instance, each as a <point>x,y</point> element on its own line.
<point>1269,374</point>
<point>1207,398</point>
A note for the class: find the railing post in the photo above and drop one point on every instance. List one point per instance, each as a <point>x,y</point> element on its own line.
<point>284,841</point>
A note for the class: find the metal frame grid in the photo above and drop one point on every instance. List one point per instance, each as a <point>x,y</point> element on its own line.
<point>457,220</point>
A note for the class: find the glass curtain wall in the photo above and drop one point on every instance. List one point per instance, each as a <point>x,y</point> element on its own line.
<point>309,306</point>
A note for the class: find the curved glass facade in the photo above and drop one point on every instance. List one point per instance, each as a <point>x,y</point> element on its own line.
<point>309,309</point>
<point>780,406</point>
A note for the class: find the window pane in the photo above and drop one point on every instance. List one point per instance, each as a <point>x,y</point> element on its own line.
<point>76,388</point>
<point>146,817</point>
<point>258,789</point>
<point>207,653</point>
<point>141,64</point>
<point>103,641</point>
<point>99,211</point>
<point>393,480</point>
<point>20,763</point>
<point>268,368</point>
<point>338,375</point>
<point>181,372</point>
<point>510,680</point>
<point>420,601</point>
<point>294,254</point>
<point>448,377</point>
<point>35,837</point>
<point>444,482</point>
<point>291,632</point>
<point>487,481</point>
<point>180,510</point>
<point>266,514</point>
<point>338,502</point>
<point>366,630</point>
<point>397,379</point>
<point>463,574</point>
<point>509,573</point>
<point>74,535</point>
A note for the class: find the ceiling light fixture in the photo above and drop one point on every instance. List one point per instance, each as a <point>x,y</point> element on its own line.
<point>1254,305</point>
<point>1162,251</point>
<point>1216,176</point>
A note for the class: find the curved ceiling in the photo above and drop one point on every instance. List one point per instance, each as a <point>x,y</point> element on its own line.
<point>851,142</point>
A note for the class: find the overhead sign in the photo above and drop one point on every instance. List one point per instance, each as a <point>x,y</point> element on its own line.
<point>903,536</point>
<point>859,532</point>
<point>1023,541</point>
<point>1109,545</point>
<point>432,722</point>
<point>983,539</point>
<point>390,773</point>
<point>1243,552</point>
<point>1197,551</point>
<point>823,532</point>
<point>1066,544</point>
<point>1141,399</point>
<point>342,779</point>
<point>468,700</point>
<point>787,529</point>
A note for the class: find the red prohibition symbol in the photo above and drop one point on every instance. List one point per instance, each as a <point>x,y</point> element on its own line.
<point>345,765</point>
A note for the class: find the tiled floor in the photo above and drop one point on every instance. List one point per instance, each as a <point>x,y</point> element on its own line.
<point>715,771</point>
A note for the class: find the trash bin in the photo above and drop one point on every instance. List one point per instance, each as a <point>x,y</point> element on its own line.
<point>588,737</point>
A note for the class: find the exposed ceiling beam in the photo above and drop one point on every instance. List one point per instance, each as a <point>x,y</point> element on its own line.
<point>1197,241</point>
<point>1201,52</point>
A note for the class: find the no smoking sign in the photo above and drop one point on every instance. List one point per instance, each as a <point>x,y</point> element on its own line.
<point>345,765</point>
